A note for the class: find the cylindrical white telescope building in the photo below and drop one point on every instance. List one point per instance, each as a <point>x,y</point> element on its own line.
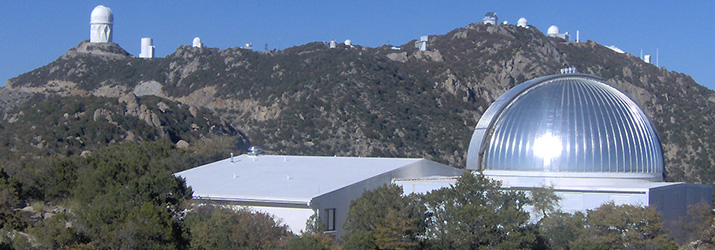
<point>147,50</point>
<point>101,21</point>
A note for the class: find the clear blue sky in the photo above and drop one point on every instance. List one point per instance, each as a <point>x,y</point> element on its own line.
<point>34,33</point>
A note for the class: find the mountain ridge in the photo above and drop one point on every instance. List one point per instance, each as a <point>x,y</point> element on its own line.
<point>360,101</point>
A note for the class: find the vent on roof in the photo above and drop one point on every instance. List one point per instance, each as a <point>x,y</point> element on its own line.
<point>255,150</point>
<point>569,70</point>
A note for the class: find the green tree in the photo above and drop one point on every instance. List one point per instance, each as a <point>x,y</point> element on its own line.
<point>123,197</point>
<point>10,199</point>
<point>559,229</point>
<point>545,200</point>
<point>476,213</point>
<point>55,232</point>
<point>214,227</point>
<point>698,228</point>
<point>360,240</point>
<point>612,226</point>
<point>393,219</point>
<point>310,242</point>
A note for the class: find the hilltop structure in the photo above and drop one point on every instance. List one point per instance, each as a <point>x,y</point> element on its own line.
<point>101,22</point>
<point>147,48</point>
<point>197,43</point>
<point>422,43</point>
<point>553,31</point>
<point>522,23</point>
<point>490,18</point>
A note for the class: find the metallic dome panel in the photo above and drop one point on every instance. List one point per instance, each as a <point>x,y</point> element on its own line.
<point>572,123</point>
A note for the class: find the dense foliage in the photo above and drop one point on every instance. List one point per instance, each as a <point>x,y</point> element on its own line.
<point>212,227</point>
<point>124,197</point>
<point>609,226</point>
<point>476,213</point>
<point>382,218</point>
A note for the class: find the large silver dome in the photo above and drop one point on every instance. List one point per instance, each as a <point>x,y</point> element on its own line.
<point>570,123</point>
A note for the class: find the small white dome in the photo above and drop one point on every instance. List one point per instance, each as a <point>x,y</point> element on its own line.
<point>522,22</point>
<point>553,30</point>
<point>101,15</point>
<point>197,42</point>
<point>348,42</point>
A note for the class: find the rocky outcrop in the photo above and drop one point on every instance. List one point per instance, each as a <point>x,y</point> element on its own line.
<point>102,50</point>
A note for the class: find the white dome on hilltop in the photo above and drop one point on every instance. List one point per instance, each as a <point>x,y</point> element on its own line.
<point>522,22</point>
<point>102,15</point>
<point>553,30</point>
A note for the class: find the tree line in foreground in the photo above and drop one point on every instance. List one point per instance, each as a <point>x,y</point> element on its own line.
<point>126,197</point>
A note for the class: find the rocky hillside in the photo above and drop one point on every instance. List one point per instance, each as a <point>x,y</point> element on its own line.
<point>48,125</point>
<point>361,101</point>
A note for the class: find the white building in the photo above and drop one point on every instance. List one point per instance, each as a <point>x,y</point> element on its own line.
<point>147,48</point>
<point>101,21</point>
<point>197,43</point>
<point>522,23</point>
<point>422,43</point>
<point>553,31</point>
<point>295,187</point>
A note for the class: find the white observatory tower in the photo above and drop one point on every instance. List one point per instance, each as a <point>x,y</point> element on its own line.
<point>522,23</point>
<point>422,43</point>
<point>147,48</point>
<point>101,22</point>
<point>197,43</point>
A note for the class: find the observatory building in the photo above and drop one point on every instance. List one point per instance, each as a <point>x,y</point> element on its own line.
<point>522,23</point>
<point>553,31</point>
<point>147,48</point>
<point>490,18</point>
<point>422,43</point>
<point>581,135</point>
<point>101,21</point>
<point>197,43</point>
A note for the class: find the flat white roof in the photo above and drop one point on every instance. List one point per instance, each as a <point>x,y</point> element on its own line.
<point>283,179</point>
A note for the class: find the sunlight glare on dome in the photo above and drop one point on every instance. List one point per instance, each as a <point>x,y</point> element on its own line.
<point>547,146</point>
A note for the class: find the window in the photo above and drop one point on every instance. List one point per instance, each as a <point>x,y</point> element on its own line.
<point>330,219</point>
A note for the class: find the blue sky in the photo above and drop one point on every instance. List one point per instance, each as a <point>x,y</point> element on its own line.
<point>34,33</point>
